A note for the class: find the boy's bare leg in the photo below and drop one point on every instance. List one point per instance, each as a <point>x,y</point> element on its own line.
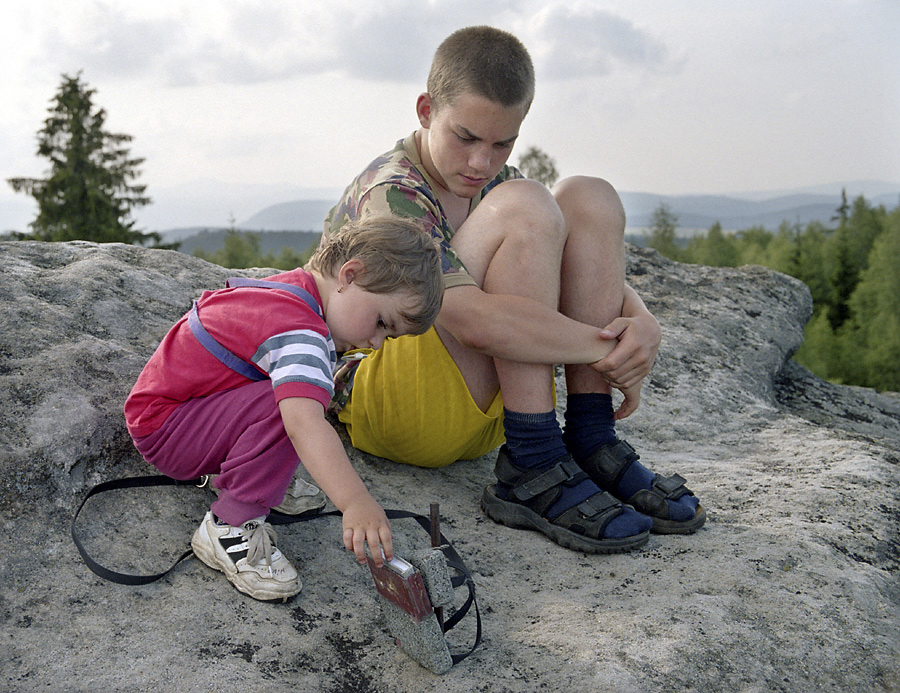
<point>592,291</point>
<point>593,264</point>
<point>511,244</point>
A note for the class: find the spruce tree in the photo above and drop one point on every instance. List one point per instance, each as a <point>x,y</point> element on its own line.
<point>89,190</point>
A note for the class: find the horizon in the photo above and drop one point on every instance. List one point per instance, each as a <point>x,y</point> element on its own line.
<point>213,204</point>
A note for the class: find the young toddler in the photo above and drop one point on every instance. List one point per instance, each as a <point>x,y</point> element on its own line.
<point>238,388</point>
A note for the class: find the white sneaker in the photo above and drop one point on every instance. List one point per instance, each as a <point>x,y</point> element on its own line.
<point>248,557</point>
<point>301,498</point>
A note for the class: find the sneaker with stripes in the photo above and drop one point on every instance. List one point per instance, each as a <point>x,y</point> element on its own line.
<point>248,557</point>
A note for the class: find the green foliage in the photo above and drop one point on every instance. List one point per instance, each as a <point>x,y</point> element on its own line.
<point>821,349</point>
<point>88,192</point>
<point>809,259</point>
<point>662,232</point>
<point>851,271</point>
<point>715,248</point>
<point>241,250</point>
<point>874,331</point>
<point>537,165</point>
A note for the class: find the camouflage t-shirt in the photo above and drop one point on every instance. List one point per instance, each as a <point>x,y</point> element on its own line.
<point>397,183</point>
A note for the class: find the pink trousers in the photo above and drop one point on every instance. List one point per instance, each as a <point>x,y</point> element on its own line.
<point>237,434</point>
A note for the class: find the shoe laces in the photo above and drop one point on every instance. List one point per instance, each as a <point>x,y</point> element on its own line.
<point>261,539</point>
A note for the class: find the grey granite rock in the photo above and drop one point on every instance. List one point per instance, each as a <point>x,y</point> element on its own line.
<point>792,585</point>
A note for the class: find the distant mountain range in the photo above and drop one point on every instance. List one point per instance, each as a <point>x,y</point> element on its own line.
<point>210,207</point>
<point>700,212</point>
<point>299,215</point>
<point>694,212</point>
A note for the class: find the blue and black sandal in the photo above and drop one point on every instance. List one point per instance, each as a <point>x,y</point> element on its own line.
<point>530,494</point>
<point>666,500</point>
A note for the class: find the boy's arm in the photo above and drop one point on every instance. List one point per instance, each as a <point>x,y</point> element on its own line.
<point>322,453</point>
<point>519,329</point>
<point>524,330</point>
<point>638,335</point>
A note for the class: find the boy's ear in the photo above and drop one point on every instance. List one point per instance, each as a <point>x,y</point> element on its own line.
<point>425,109</point>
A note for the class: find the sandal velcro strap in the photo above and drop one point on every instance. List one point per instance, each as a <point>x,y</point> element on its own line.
<point>672,487</point>
<point>609,462</point>
<point>601,507</point>
<point>564,472</point>
<point>652,501</point>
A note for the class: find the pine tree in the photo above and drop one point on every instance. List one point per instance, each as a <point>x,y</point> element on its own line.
<point>89,192</point>
<point>843,209</point>
<point>844,277</point>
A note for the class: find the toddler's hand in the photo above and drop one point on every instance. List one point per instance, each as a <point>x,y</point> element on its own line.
<point>365,523</point>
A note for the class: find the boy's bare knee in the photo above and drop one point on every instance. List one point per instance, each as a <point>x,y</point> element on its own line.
<point>585,199</point>
<point>528,206</point>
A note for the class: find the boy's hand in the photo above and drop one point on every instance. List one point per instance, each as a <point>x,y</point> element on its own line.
<point>630,403</point>
<point>322,452</point>
<point>632,358</point>
<point>365,523</point>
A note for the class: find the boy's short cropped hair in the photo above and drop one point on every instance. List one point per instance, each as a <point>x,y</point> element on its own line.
<point>397,255</point>
<point>481,59</point>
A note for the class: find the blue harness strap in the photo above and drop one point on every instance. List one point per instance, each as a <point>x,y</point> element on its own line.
<point>214,347</point>
<point>298,291</point>
<point>235,363</point>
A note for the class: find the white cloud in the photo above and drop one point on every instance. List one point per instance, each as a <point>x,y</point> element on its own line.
<point>252,41</point>
<point>583,40</point>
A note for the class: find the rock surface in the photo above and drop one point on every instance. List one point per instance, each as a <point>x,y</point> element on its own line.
<point>791,586</point>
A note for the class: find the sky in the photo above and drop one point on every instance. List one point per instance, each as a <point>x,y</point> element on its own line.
<point>255,100</point>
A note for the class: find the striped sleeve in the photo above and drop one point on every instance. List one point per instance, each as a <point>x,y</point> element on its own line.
<point>298,356</point>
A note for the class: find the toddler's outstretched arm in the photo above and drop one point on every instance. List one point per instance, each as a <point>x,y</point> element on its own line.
<point>322,453</point>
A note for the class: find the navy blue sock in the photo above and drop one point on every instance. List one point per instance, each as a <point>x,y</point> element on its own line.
<point>637,477</point>
<point>534,441</point>
<point>589,423</point>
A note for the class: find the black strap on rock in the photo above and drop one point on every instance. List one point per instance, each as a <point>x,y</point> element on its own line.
<point>130,482</point>
<point>454,560</point>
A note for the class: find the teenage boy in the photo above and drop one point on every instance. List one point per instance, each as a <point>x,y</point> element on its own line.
<point>533,278</point>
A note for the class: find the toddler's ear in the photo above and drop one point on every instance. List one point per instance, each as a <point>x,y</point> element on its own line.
<point>350,270</point>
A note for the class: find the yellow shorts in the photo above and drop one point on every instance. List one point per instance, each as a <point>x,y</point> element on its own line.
<point>410,404</point>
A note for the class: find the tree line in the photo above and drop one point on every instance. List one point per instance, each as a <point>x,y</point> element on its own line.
<point>241,249</point>
<point>851,269</point>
